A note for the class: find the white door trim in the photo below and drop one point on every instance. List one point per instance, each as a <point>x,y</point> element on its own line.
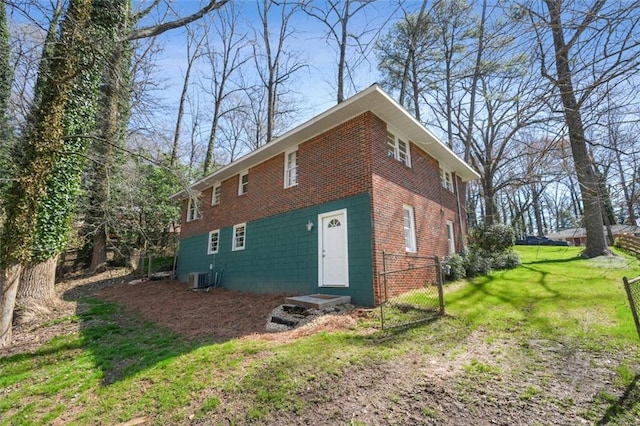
<point>342,213</point>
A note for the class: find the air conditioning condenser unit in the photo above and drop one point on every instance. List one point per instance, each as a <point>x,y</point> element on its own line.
<point>198,280</point>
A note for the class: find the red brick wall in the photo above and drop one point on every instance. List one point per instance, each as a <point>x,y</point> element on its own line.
<point>331,166</point>
<point>395,184</point>
<point>430,222</point>
<point>347,160</point>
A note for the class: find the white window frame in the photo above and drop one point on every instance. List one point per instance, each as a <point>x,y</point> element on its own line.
<point>234,244</point>
<point>210,248</point>
<point>192,209</point>
<point>451,239</point>
<point>409,229</point>
<point>241,188</point>
<point>291,172</point>
<point>446,179</point>
<point>394,148</point>
<point>216,200</point>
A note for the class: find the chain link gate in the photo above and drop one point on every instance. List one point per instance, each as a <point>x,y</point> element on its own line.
<point>410,289</point>
<point>632,288</point>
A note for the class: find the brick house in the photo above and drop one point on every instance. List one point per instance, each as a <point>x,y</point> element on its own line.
<point>312,211</point>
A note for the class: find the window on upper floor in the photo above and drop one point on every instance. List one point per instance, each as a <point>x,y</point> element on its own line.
<point>239,237</point>
<point>291,168</point>
<point>398,149</point>
<point>192,209</point>
<point>243,183</point>
<point>446,179</point>
<point>409,228</point>
<point>214,241</point>
<point>215,194</point>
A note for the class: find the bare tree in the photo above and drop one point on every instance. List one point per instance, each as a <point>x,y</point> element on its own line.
<point>580,48</point>
<point>274,62</point>
<point>404,57</point>
<point>336,16</point>
<point>194,46</point>
<point>226,57</point>
<point>116,112</point>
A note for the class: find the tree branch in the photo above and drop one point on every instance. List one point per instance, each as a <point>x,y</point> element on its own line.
<point>161,28</point>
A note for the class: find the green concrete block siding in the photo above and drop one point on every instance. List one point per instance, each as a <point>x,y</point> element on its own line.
<point>281,256</point>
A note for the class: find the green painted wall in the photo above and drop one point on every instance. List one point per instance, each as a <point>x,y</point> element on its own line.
<point>281,256</point>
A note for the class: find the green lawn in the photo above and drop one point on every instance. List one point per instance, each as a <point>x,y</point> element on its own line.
<point>119,367</point>
<point>553,292</point>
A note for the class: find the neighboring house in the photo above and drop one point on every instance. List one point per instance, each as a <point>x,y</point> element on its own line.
<point>578,236</point>
<point>312,211</point>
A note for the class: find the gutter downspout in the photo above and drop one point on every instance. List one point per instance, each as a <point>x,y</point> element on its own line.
<point>459,209</point>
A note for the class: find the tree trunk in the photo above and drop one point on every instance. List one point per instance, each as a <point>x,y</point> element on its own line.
<point>537,211</point>
<point>596,243</point>
<point>474,84</point>
<point>9,282</point>
<point>37,281</point>
<point>491,215</point>
<point>628,197</point>
<point>36,294</point>
<point>99,251</point>
<point>110,127</point>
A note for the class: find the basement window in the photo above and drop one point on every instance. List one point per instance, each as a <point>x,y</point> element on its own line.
<point>214,241</point>
<point>239,237</point>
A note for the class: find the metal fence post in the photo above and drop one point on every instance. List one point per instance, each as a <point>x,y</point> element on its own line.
<point>384,282</point>
<point>440,285</point>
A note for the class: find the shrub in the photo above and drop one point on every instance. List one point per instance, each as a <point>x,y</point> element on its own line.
<point>477,262</point>
<point>455,264</point>
<point>507,260</point>
<point>494,239</point>
<point>490,247</point>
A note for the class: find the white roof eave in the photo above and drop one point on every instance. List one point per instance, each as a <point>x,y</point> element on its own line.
<point>372,99</point>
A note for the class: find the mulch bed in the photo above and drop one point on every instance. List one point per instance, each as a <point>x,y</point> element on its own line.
<point>218,313</point>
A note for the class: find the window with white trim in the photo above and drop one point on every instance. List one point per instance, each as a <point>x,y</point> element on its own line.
<point>243,183</point>
<point>192,209</point>
<point>214,241</point>
<point>291,168</point>
<point>398,149</point>
<point>450,237</point>
<point>409,228</point>
<point>446,180</point>
<point>239,236</point>
<point>216,191</point>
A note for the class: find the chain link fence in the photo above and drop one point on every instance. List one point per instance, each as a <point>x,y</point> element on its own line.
<point>633,294</point>
<point>410,289</point>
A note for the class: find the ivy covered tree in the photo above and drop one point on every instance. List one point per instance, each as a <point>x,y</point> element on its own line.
<point>57,208</point>
<point>39,203</point>
<point>6,77</point>
<point>42,144</point>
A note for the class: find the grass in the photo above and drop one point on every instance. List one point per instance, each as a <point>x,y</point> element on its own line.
<point>554,291</point>
<point>119,367</point>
